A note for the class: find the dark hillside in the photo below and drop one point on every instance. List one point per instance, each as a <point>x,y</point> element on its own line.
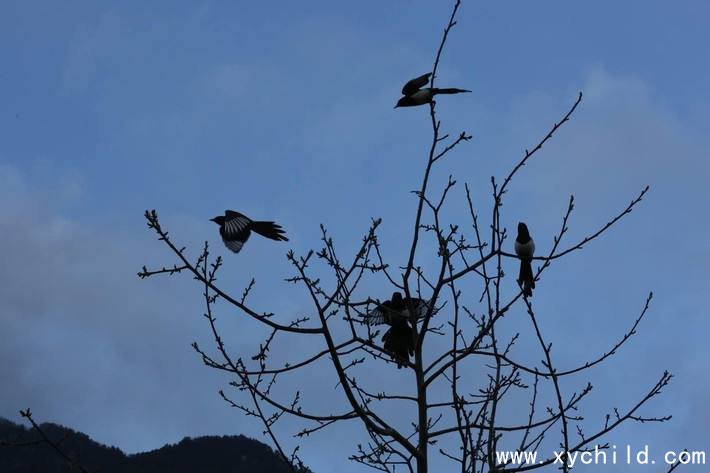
<point>227,454</point>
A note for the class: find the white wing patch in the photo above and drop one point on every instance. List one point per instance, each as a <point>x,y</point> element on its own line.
<point>235,226</point>
<point>421,96</point>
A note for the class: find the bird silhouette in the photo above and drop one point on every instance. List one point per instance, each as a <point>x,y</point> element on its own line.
<point>399,338</point>
<point>415,95</point>
<point>235,229</point>
<point>525,249</point>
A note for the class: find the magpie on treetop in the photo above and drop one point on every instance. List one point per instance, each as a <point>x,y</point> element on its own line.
<point>414,94</point>
<point>525,249</point>
<point>235,229</point>
<point>399,339</point>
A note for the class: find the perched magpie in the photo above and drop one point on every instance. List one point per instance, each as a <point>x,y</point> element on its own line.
<point>399,339</point>
<point>414,94</point>
<point>235,229</point>
<point>525,249</point>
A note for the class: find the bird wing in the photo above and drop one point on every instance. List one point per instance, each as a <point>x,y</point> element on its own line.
<point>234,245</point>
<point>421,307</point>
<point>377,316</point>
<point>383,314</point>
<point>415,84</point>
<point>234,224</point>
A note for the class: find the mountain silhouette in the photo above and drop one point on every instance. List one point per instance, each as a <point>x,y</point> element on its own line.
<point>212,454</point>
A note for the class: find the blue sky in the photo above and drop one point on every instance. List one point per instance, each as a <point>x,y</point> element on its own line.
<point>285,112</point>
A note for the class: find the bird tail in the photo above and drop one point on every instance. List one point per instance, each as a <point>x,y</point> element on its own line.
<point>526,278</point>
<point>398,342</point>
<point>449,91</point>
<point>269,230</point>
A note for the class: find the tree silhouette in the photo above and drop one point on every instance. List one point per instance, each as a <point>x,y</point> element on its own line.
<point>461,422</point>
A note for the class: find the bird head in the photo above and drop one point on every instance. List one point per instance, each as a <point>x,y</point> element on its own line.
<point>219,220</point>
<point>523,230</point>
<point>401,102</point>
<point>397,297</point>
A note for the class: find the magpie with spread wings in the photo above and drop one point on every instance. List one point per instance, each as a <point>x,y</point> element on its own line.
<point>415,95</point>
<point>235,229</point>
<point>399,338</point>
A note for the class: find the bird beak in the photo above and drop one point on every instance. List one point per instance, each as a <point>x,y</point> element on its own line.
<point>396,106</point>
<point>213,220</point>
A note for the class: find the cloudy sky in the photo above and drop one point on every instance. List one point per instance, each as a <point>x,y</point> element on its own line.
<point>284,111</point>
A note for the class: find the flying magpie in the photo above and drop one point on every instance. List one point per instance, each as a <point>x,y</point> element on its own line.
<point>399,339</point>
<point>525,249</point>
<point>235,229</point>
<point>414,94</point>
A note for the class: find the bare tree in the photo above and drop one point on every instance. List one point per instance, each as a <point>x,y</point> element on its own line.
<point>461,422</point>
